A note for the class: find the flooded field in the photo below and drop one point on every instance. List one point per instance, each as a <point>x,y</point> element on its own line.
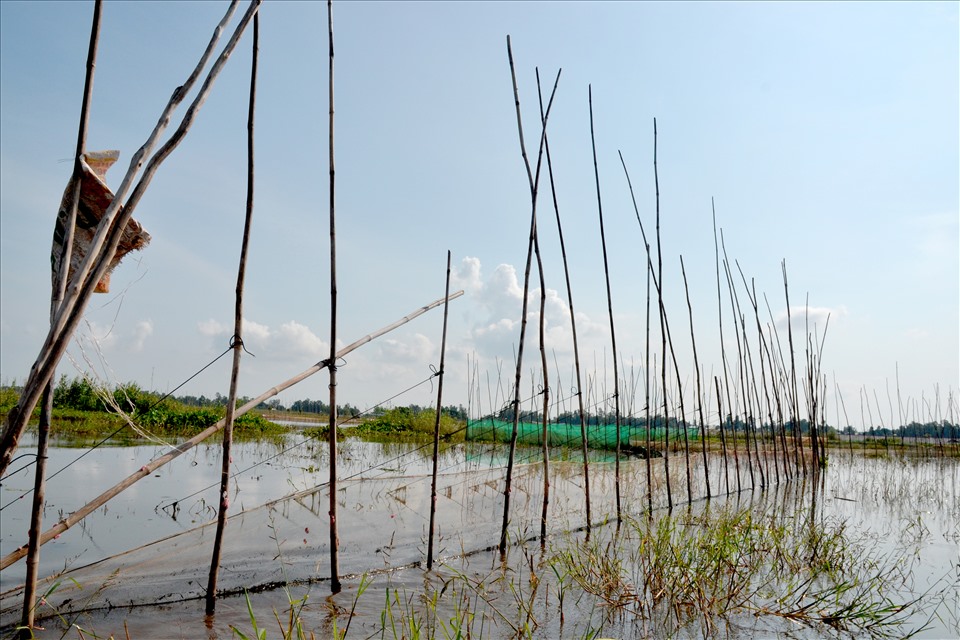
<point>870,549</point>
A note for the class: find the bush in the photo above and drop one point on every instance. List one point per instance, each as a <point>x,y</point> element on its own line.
<point>404,420</point>
<point>77,394</point>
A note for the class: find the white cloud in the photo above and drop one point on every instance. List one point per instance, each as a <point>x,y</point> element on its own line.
<point>290,340</point>
<point>211,327</point>
<point>141,331</point>
<point>254,332</point>
<point>814,319</point>
<point>296,338</point>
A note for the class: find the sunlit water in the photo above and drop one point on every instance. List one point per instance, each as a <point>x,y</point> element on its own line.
<point>906,509</point>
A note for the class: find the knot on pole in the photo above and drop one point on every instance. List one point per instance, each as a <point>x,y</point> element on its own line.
<point>237,341</point>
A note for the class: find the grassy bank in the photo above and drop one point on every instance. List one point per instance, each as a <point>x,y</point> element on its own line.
<point>83,410</point>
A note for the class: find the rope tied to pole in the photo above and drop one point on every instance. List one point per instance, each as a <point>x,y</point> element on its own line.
<point>237,341</point>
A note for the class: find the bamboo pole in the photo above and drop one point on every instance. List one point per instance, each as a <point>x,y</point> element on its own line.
<point>332,363</point>
<point>741,363</point>
<point>696,366</point>
<point>613,334</point>
<point>777,364</point>
<point>723,354</point>
<point>237,341</point>
<point>763,349</point>
<point>436,426</point>
<point>546,396</point>
<point>533,184</point>
<point>663,328</point>
<point>573,324</point>
<point>646,368</point>
<point>108,236</point>
<point>59,283</point>
<point>794,406</point>
<point>182,448</point>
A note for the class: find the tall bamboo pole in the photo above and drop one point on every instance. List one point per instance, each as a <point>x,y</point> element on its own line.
<point>646,355</point>
<point>741,364</point>
<point>332,364</point>
<point>795,408</point>
<point>573,323</point>
<point>723,355</point>
<point>237,340</point>
<point>546,395</point>
<point>663,327</point>
<point>613,333</point>
<point>543,356</point>
<point>436,426</point>
<point>533,184</point>
<point>59,284</point>
<point>696,366</point>
<point>763,349</point>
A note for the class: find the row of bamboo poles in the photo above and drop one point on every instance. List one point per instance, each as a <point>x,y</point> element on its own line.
<point>760,367</point>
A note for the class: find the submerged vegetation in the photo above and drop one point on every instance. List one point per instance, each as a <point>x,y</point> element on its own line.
<point>763,566</point>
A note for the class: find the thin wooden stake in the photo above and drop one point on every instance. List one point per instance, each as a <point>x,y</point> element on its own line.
<point>332,364</point>
<point>533,183</point>
<point>613,333</point>
<point>663,328</point>
<point>59,283</point>
<point>436,427</point>
<point>546,397</point>
<point>646,367</point>
<point>696,366</point>
<point>237,340</point>
<point>573,323</point>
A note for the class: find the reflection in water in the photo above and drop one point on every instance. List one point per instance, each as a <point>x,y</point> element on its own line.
<point>906,508</point>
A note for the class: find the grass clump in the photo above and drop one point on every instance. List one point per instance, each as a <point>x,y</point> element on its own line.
<point>695,569</point>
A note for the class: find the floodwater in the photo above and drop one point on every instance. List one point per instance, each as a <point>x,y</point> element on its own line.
<point>142,560</point>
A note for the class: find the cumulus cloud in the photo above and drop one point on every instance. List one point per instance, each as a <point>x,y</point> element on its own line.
<point>298,338</point>
<point>494,327</point>
<point>290,339</point>
<point>212,327</point>
<point>812,318</point>
<point>141,331</point>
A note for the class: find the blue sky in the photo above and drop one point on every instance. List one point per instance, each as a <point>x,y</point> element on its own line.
<point>826,133</point>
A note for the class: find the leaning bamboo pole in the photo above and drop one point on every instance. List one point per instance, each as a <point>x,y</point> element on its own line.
<point>110,231</point>
<point>696,366</point>
<point>647,368</point>
<point>533,183</point>
<point>573,324</point>
<point>763,348</point>
<point>182,448</point>
<point>723,356</point>
<point>237,341</point>
<point>779,385</point>
<point>741,365</point>
<point>59,284</point>
<point>436,426</point>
